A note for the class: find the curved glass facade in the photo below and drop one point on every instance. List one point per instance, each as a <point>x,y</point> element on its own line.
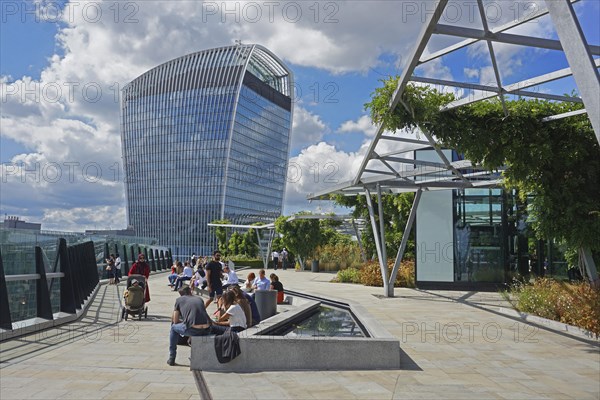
<point>206,136</point>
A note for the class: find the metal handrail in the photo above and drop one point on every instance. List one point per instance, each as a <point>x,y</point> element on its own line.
<point>32,277</point>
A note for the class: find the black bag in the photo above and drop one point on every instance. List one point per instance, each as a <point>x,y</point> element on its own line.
<point>227,346</point>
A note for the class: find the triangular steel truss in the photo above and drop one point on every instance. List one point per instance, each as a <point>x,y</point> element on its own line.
<point>398,171</point>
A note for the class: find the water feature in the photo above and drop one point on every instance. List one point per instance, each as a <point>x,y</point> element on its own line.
<point>325,321</point>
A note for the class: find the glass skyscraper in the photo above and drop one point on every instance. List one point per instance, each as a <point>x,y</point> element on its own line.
<point>206,136</point>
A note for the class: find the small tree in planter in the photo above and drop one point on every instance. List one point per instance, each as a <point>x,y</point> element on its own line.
<point>300,236</point>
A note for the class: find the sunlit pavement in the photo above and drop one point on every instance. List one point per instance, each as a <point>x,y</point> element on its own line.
<point>455,346</point>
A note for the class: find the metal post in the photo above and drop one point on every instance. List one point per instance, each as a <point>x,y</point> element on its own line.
<point>152,261</point>
<point>405,236</point>
<point>578,55</point>
<point>5,319</point>
<point>67,298</point>
<point>376,237</point>
<point>590,266</point>
<point>44,305</point>
<point>360,245</point>
<point>382,232</point>
<point>125,264</point>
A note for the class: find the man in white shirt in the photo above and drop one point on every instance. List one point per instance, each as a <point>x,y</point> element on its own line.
<point>118,269</point>
<point>232,278</point>
<point>275,256</point>
<point>261,282</point>
<point>187,274</point>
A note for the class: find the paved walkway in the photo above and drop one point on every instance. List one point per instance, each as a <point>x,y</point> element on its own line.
<point>455,346</point>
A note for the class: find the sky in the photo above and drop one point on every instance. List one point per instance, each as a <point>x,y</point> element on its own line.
<point>63,63</point>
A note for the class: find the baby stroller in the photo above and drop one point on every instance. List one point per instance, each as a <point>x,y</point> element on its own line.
<point>135,298</point>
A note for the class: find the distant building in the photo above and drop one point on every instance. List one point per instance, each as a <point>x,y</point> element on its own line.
<point>206,136</point>
<point>112,232</point>
<point>16,223</point>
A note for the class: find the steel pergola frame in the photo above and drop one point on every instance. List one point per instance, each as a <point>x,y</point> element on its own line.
<point>391,173</point>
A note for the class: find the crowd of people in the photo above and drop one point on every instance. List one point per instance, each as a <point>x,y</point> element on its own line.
<point>236,308</point>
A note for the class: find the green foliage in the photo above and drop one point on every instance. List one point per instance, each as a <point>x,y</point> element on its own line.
<point>300,236</point>
<point>370,274</point>
<point>243,261</point>
<point>556,163</point>
<point>573,304</point>
<point>396,208</point>
<point>221,234</point>
<point>235,244</point>
<point>342,254</point>
<point>349,275</point>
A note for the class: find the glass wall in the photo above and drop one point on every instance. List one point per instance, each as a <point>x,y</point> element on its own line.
<point>204,139</point>
<point>478,235</point>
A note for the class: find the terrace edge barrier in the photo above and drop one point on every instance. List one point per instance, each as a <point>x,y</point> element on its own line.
<point>5,320</point>
<point>42,294</point>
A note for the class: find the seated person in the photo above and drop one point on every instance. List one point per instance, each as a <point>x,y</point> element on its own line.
<point>276,285</point>
<point>233,317</point>
<point>244,303</point>
<point>189,319</point>
<point>175,270</point>
<point>134,296</point>
<point>249,282</point>
<point>261,283</point>
<point>199,279</point>
<point>232,278</point>
<point>186,275</point>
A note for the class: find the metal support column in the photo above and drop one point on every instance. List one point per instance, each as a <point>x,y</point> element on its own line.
<point>590,266</point>
<point>377,237</point>
<point>44,305</point>
<point>359,238</point>
<point>405,236</point>
<point>5,319</point>
<point>67,297</point>
<point>579,57</point>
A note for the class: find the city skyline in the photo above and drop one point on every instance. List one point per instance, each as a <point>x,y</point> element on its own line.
<point>60,145</point>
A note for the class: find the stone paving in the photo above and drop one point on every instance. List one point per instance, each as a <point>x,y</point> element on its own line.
<point>455,346</point>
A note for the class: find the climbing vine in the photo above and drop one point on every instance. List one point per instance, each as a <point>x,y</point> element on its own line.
<point>555,164</point>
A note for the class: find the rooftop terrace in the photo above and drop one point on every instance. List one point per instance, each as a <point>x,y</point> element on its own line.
<point>455,345</point>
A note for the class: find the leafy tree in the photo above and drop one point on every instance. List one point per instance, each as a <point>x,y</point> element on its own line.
<point>249,246</point>
<point>556,164</point>
<point>235,244</point>
<point>221,234</point>
<point>396,208</point>
<point>300,236</point>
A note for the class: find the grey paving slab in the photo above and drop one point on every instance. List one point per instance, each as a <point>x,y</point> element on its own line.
<point>455,346</point>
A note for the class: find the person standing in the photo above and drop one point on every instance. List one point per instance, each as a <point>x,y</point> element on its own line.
<point>141,267</point>
<point>214,271</point>
<point>189,319</point>
<point>110,269</point>
<point>284,258</point>
<point>118,269</point>
<point>275,256</point>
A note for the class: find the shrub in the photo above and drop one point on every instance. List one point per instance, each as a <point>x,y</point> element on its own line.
<point>349,275</point>
<point>370,274</point>
<point>244,262</point>
<point>574,304</point>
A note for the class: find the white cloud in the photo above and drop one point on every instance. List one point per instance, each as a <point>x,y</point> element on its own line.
<point>363,125</point>
<point>306,128</point>
<point>70,116</point>
<point>318,167</point>
<point>471,72</point>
